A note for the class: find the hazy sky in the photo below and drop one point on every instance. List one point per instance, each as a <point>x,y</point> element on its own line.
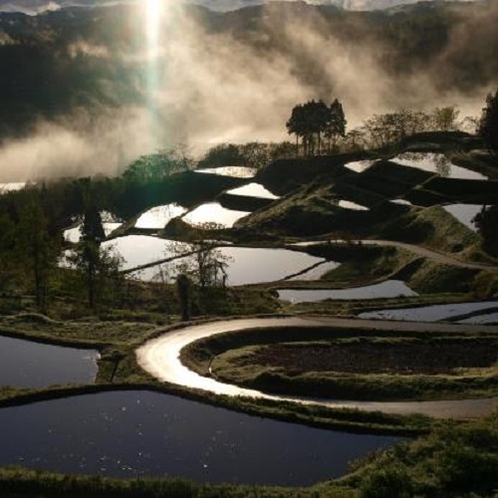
<point>36,6</point>
<point>211,87</point>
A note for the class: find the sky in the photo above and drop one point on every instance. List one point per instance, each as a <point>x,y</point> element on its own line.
<point>209,88</point>
<point>33,7</point>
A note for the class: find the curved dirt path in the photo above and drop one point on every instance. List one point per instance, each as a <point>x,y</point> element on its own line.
<point>439,257</point>
<point>434,255</point>
<point>160,357</point>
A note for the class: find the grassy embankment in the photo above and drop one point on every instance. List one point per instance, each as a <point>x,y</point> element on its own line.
<point>118,369</point>
<point>352,364</point>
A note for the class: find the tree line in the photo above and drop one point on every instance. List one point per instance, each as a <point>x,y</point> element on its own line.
<point>317,125</point>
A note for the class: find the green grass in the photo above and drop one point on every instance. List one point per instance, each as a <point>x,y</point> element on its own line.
<point>233,358</point>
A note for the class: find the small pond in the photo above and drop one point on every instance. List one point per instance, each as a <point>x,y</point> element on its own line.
<point>213,212</point>
<point>389,288</point>
<point>439,164</point>
<point>28,364</point>
<point>233,171</point>
<point>253,190</point>
<point>135,433</point>
<point>464,213</point>
<point>159,216</point>
<point>431,313</point>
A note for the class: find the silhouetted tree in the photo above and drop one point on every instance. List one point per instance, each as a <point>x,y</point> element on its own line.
<point>296,124</point>
<point>156,167</point>
<point>183,291</point>
<point>488,125</point>
<point>36,248</point>
<point>336,125</point>
<point>311,120</point>
<point>98,265</point>
<point>445,118</point>
<point>486,222</point>
<point>386,129</point>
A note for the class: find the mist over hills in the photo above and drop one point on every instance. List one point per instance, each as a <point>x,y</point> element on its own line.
<point>82,90</point>
<point>33,7</point>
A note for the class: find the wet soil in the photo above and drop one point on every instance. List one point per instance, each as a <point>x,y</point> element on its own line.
<point>407,357</point>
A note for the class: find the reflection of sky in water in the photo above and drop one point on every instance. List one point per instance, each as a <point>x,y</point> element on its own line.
<point>30,364</point>
<point>137,433</point>
<point>139,250</point>
<point>317,272</point>
<point>213,212</point>
<point>246,265</point>
<point>10,187</point>
<point>351,205</point>
<point>437,163</point>
<point>358,166</point>
<point>74,235</point>
<point>253,190</point>
<point>390,288</point>
<point>254,265</point>
<point>159,216</point>
<point>464,213</point>
<point>233,171</point>
<point>490,318</point>
<point>429,313</point>
<point>402,202</point>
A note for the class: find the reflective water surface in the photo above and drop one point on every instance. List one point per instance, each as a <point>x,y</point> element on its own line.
<point>351,205</point>
<point>130,433</point>
<point>439,164</point>
<point>464,213</point>
<point>159,216</point>
<point>74,234</point>
<point>213,212</point>
<point>140,250</point>
<point>233,171</point>
<point>250,265</point>
<point>31,364</point>
<point>253,190</point>
<point>389,288</point>
<point>316,272</point>
<point>431,313</point>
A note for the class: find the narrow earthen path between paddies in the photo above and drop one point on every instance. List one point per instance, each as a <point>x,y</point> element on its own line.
<point>161,358</point>
<point>439,257</point>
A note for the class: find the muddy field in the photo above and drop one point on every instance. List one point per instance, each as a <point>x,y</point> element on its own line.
<point>407,357</point>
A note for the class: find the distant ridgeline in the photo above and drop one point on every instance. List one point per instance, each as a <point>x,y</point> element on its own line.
<point>59,62</point>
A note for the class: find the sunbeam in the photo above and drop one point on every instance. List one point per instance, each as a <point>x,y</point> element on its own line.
<point>154,23</point>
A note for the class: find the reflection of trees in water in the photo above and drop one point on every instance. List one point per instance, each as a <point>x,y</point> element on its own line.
<point>413,156</point>
<point>443,164</point>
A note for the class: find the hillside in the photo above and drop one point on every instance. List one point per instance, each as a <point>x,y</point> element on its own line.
<point>77,65</point>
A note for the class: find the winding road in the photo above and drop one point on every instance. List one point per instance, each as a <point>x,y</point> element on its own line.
<point>161,358</point>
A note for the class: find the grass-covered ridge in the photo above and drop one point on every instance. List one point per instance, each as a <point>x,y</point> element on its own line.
<point>351,364</point>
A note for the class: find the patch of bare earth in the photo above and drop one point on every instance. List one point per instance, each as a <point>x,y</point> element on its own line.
<point>414,357</point>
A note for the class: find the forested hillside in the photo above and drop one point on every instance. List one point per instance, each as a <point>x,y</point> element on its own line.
<point>87,68</point>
